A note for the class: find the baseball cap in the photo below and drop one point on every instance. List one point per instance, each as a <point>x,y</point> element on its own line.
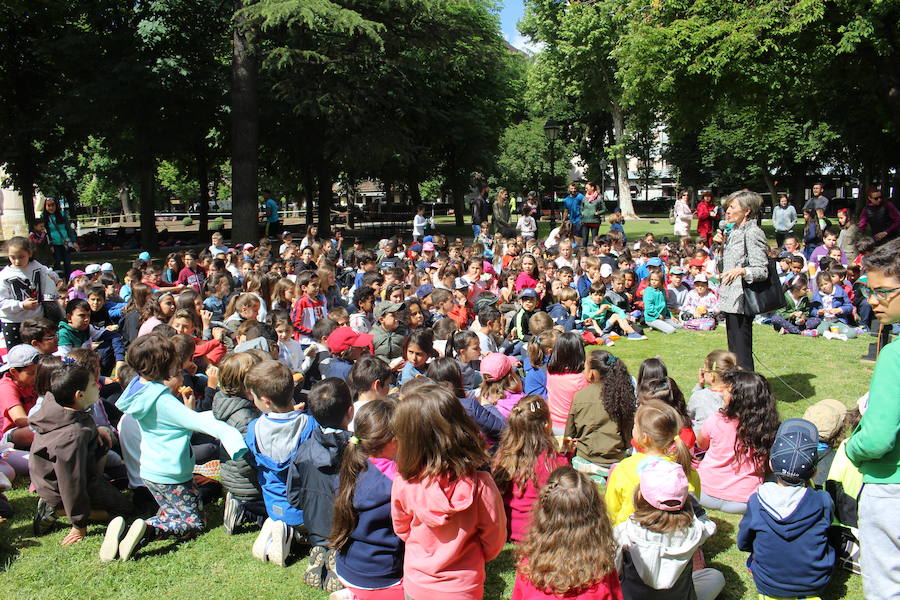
<point>284,234</point>
<point>795,451</point>
<point>76,273</point>
<point>827,415</point>
<point>20,357</point>
<point>417,247</point>
<point>785,254</point>
<point>485,299</point>
<point>655,262</point>
<point>428,239</point>
<point>460,284</point>
<point>145,256</point>
<point>676,271</point>
<point>701,278</point>
<point>528,293</point>
<point>605,270</point>
<point>92,268</point>
<point>663,483</point>
<point>385,307</point>
<point>107,268</point>
<point>424,290</point>
<point>249,246</point>
<point>428,247</point>
<point>343,338</point>
<point>697,262</point>
<point>496,366</point>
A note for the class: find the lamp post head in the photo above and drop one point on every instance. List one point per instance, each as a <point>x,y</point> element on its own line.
<point>552,129</point>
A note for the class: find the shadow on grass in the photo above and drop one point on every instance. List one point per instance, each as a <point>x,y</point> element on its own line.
<point>837,587</point>
<point>782,384</point>
<point>722,539</point>
<point>734,585</point>
<point>494,585</point>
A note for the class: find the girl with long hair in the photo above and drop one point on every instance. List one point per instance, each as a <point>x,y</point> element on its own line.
<point>566,557</point>
<point>537,353</point>
<point>174,264</point>
<point>445,371</point>
<point>449,513</point>
<point>657,542</point>
<point>526,456</point>
<point>369,554</point>
<point>158,310</point>
<point>565,377</point>
<point>667,391</point>
<point>602,416</point>
<point>656,427</point>
<point>465,347</point>
<point>737,440</point>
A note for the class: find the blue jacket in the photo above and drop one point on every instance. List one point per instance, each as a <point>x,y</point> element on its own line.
<point>535,381</point>
<point>573,205</point>
<point>561,316</point>
<point>408,373</point>
<point>313,479</point>
<point>491,423</point>
<point>583,286</point>
<point>166,427</point>
<point>273,475</point>
<point>839,300</point>
<point>785,531</point>
<point>373,558</point>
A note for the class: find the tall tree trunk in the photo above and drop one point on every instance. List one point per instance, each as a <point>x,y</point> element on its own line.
<point>203,184</point>
<point>323,175</point>
<point>125,201</point>
<point>26,177</point>
<point>625,204</point>
<point>415,194</point>
<point>244,134</point>
<point>459,200</point>
<point>309,190</point>
<point>148,208</point>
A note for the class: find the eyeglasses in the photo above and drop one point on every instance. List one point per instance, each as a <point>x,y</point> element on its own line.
<point>882,294</point>
<point>50,338</point>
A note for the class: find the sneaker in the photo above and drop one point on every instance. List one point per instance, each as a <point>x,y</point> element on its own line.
<point>332,583</point>
<point>783,331</point>
<point>280,544</point>
<point>829,335</point>
<point>636,336</point>
<point>261,544</point>
<point>810,333</point>
<point>609,343</point>
<point>233,514</point>
<point>44,518</point>
<point>132,539</point>
<point>314,569</point>
<point>109,549</point>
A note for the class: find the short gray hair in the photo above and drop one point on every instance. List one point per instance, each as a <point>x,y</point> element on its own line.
<point>748,200</point>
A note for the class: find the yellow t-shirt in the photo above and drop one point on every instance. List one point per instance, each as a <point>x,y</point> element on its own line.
<point>624,479</point>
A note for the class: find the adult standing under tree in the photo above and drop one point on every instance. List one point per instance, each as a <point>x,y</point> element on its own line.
<point>743,259</point>
<point>874,446</point>
<point>849,233</point>
<point>480,210</point>
<point>61,234</point>
<point>592,210</point>
<point>501,214</point>
<point>683,215</point>
<point>880,217</point>
<point>573,204</point>
<point>817,202</point>
<point>273,219</point>
<point>784,217</point>
<point>706,216</point>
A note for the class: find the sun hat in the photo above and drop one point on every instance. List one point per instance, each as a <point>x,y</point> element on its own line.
<point>795,451</point>
<point>496,366</point>
<point>344,338</point>
<point>827,415</point>
<point>19,357</point>
<point>663,483</point>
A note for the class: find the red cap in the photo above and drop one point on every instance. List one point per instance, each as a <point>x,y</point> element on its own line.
<point>697,262</point>
<point>344,338</point>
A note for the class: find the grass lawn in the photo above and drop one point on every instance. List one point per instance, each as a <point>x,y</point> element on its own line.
<point>218,566</point>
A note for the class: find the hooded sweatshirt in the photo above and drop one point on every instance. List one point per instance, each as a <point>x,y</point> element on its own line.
<point>238,476</point>
<point>33,281</point>
<point>785,530</point>
<point>166,426</point>
<point>451,528</point>
<point>659,559</point>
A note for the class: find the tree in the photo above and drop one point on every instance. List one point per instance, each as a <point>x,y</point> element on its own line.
<point>524,162</point>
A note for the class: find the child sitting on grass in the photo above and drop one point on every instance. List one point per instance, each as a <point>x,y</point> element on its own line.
<point>706,397</point>
<point>65,456</point>
<point>167,464</point>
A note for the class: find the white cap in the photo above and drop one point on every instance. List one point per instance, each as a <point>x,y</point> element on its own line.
<point>107,268</point>
<point>605,270</point>
<point>92,268</point>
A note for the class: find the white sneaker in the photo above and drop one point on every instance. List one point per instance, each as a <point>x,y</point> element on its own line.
<point>132,539</point>
<point>829,335</point>
<point>280,544</point>
<point>109,549</point>
<point>261,545</point>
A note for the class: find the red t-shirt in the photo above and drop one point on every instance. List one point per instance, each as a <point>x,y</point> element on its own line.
<point>518,502</point>
<point>12,395</point>
<point>607,588</point>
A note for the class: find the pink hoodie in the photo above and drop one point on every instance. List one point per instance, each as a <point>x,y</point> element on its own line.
<point>451,529</point>
<point>561,388</point>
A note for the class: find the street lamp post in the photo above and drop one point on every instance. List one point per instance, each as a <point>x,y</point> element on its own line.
<point>551,131</point>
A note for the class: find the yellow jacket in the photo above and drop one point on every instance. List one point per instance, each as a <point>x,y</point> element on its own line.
<point>624,479</point>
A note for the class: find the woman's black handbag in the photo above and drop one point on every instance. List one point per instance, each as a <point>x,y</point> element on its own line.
<point>763,296</point>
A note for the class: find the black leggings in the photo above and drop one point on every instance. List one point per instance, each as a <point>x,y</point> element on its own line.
<point>739,329</point>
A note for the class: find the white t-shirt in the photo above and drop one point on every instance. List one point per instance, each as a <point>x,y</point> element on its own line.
<point>488,344</point>
<point>214,250</point>
<point>563,262</point>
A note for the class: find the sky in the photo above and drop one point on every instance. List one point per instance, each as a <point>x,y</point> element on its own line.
<point>510,14</point>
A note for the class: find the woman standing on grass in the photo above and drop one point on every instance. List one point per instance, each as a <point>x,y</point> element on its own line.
<point>742,259</point>
<point>62,236</point>
<point>874,446</point>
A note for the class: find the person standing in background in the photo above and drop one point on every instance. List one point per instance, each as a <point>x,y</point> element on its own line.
<point>784,217</point>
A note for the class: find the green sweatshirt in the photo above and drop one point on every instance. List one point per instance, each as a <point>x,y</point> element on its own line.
<point>791,306</point>
<point>655,305</point>
<point>873,446</point>
<point>591,310</point>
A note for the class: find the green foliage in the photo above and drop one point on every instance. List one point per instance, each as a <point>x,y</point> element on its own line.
<point>177,184</point>
<point>431,190</point>
<point>524,160</point>
<point>217,224</point>
<point>187,221</point>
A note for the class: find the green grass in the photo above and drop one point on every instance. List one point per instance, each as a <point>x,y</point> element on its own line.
<point>216,565</point>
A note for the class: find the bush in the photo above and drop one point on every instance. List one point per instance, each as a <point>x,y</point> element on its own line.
<point>217,224</point>
<point>187,221</point>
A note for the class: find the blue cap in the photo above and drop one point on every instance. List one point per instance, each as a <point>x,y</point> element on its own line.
<point>428,238</point>
<point>424,290</point>
<point>528,293</point>
<point>655,262</point>
<point>795,452</point>
<point>145,256</point>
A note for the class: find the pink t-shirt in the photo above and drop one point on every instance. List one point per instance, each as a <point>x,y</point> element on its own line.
<point>561,389</point>
<point>607,588</point>
<point>11,395</point>
<point>519,501</point>
<point>722,475</point>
